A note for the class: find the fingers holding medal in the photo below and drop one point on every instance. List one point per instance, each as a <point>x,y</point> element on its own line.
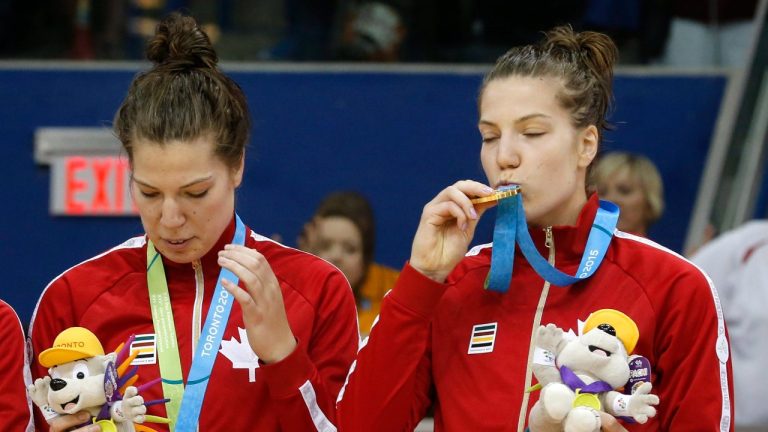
<point>261,301</point>
<point>497,195</point>
<point>446,228</point>
<point>459,195</point>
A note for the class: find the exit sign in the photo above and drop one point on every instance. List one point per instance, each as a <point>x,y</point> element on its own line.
<point>91,186</point>
<point>90,175</point>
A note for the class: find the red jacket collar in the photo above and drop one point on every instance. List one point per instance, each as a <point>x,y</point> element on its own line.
<point>570,240</point>
<point>209,261</point>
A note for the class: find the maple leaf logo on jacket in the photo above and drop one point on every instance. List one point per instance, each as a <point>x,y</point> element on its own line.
<point>241,355</point>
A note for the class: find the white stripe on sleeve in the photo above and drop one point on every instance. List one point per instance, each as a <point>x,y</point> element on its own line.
<point>318,416</point>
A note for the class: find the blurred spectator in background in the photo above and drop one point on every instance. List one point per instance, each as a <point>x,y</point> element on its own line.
<point>454,31</point>
<point>479,32</point>
<point>242,30</point>
<point>500,24</point>
<point>710,33</point>
<point>633,183</point>
<point>639,27</point>
<point>371,31</point>
<point>737,263</point>
<point>342,231</point>
<point>308,30</point>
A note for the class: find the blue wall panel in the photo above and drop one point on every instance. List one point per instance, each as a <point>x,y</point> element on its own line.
<point>397,137</point>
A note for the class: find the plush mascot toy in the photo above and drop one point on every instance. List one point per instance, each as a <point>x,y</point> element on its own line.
<point>81,377</point>
<point>579,376</point>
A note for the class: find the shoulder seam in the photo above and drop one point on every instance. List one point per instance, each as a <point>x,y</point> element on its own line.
<point>132,243</point>
<point>260,238</point>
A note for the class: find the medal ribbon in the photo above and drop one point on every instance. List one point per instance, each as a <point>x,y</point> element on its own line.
<point>184,406</point>
<point>511,228</point>
<point>575,383</point>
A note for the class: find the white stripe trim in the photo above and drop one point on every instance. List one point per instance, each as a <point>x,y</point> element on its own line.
<point>477,249</point>
<point>322,424</point>
<point>133,242</point>
<point>361,343</point>
<point>197,307</point>
<point>721,347</point>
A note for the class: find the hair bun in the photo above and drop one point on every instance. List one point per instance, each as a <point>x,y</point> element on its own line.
<point>594,50</point>
<point>599,50</point>
<point>180,44</point>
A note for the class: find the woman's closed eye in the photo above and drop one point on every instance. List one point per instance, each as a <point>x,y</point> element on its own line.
<point>147,194</point>
<point>533,133</point>
<point>198,194</point>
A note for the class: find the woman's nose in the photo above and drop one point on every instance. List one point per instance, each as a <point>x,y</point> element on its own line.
<point>508,153</point>
<point>172,215</point>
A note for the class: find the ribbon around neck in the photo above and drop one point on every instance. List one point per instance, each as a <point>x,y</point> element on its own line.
<point>511,228</point>
<point>575,383</point>
<point>184,405</point>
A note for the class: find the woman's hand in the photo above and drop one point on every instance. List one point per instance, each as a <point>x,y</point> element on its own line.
<point>610,424</point>
<point>64,423</point>
<point>446,228</point>
<point>266,323</point>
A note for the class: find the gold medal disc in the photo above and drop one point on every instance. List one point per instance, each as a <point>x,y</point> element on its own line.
<point>498,195</point>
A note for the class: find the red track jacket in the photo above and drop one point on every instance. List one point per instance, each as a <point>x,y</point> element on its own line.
<point>420,351</point>
<point>108,295</point>
<point>15,408</point>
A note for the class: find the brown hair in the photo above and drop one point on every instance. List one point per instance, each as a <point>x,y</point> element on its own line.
<point>185,95</point>
<point>353,206</point>
<point>583,62</point>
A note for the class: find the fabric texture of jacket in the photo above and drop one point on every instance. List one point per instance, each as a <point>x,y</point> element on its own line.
<point>421,351</point>
<point>108,294</point>
<point>15,407</point>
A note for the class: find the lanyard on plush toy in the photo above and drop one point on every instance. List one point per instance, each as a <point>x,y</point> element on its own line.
<point>511,228</point>
<point>184,406</point>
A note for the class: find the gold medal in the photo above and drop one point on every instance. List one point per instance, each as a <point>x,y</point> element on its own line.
<point>106,425</point>
<point>498,195</point>
<point>587,400</point>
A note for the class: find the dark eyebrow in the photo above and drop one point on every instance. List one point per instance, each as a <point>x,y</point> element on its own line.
<point>484,122</point>
<point>520,120</point>
<point>530,116</point>
<point>192,183</point>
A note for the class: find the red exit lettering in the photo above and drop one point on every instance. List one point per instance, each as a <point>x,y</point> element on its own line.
<point>95,185</point>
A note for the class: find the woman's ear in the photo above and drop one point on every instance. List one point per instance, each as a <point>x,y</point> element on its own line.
<point>237,174</point>
<point>588,144</point>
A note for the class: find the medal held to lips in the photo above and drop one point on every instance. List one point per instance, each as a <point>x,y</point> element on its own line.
<point>512,229</point>
<point>498,195</point>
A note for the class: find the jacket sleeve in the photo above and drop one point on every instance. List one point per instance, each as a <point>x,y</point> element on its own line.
<point>389,387</point>
<point>54,313</point>
<point>15,408</point>
<point>694,378</point>
<point>304,385</point>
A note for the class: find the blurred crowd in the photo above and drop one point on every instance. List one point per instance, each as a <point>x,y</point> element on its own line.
<point>674,32</point>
